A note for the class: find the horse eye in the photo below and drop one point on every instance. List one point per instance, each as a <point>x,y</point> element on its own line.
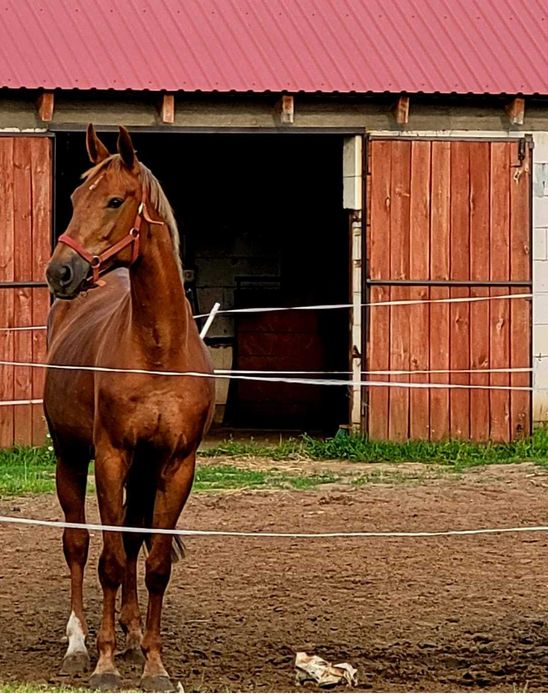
<point>115,203</point>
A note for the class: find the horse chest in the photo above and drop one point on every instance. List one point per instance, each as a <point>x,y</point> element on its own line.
<point>149,415</point>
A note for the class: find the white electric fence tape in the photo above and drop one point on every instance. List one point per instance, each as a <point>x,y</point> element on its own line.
<point>326,307</point>
<point>297,377</point>
<point>268,535</point>
<point>21,401</point>
<point>406,302</point>
<point>268,379</point>
<point>259,375</point>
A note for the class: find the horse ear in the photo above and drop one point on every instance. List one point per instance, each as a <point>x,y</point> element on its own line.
<point>97,150</point>
<point>125,148</point>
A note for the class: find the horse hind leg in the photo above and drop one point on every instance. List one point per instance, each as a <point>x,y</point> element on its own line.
<point>71,479</point>
<point>130,615</point>
<point>169,502</point>
<point>140,493</point>
<point>139,503</point>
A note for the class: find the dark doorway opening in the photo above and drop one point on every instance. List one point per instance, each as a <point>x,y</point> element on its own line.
<point>262,224</point>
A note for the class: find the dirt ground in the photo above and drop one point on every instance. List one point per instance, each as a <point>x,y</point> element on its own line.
<point>438,614</point>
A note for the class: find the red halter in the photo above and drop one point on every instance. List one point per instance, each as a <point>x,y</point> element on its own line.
<point>97,262</point>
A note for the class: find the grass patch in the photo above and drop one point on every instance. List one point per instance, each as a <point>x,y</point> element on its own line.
<point>26,470</point>
<point>38,687</point>
<point>32,470</point>
<point>287,449</point>
<point>360,449</point>
<point>230,477</point>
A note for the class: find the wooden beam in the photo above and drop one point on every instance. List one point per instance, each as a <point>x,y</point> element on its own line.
<point>45,106</point>
<point>401,110</point>
<point>167,111</point>
<point>286,109</point>
<point>515,110</point>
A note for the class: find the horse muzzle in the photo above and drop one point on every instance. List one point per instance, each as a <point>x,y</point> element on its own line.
<point>67,276</point>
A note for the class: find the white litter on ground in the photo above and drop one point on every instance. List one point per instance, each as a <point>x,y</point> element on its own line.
<point>315,669</point>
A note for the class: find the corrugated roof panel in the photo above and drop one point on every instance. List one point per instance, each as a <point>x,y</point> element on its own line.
<point>447,46</point>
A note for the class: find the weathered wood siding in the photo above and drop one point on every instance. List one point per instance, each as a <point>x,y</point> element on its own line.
<point>455,211</point>
<point>25,222</point>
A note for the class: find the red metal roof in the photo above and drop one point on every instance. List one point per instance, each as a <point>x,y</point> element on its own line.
<point>460,46</point>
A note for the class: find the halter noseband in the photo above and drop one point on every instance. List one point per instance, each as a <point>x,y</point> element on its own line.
<point>98,262</point>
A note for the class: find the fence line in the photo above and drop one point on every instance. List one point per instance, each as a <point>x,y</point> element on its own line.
<point>403,302</point>
<point>324,307</point>
<point>24,327</point>
<point>298,377</point>
<point>268,535</point>
<point>21,401</point>
<point>383,372</point>
<point>268,379</point>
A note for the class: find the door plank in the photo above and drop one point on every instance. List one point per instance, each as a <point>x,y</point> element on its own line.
<point>460,269</point>
<point>378,356</point>
<point>520,309</point>
<point>500,270</point>
<point>439,270</point>
<point>398,427</point>
<point>419,315</point>
<point>479,271</point>
<point>7,256</point>
<point>23,296</point>
<point>41,245</point>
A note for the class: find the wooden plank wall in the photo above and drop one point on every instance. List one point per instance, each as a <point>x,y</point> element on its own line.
<point>25,218</point>
<point>449,210</point>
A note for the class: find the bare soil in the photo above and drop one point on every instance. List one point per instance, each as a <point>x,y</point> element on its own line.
<point>431,614</point>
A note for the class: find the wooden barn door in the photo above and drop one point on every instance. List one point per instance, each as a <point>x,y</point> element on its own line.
<point>449,219</point>
<point>25,246</point>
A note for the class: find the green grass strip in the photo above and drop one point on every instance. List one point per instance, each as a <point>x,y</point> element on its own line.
<point>357,449</point>
<point>38,687</point>
<point>25,470</point>
<point>32,470</point>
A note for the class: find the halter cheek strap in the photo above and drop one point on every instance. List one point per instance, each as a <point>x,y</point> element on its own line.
<point>99,262</point>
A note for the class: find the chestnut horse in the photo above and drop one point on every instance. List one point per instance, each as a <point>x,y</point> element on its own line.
<point>142,430</point>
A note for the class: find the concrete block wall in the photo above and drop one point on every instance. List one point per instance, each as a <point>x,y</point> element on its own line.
<point>540,278</point>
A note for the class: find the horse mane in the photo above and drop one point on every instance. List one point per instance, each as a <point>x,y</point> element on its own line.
<point>153,193</point>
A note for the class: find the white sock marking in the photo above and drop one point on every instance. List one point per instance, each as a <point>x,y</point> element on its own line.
<point>75,635</point>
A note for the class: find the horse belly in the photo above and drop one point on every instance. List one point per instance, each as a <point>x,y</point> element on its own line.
<point>69,406</point>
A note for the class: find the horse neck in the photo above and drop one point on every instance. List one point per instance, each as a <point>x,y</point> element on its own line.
<point>160,312</point>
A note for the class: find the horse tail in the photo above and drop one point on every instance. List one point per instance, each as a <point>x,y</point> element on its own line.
<point>177,548</point>
<point>139,508</point>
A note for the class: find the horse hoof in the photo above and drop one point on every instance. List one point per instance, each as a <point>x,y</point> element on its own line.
<point>156,683</point>
<point>75,664</point>
<point>132,656</point>
<point>105,681</point>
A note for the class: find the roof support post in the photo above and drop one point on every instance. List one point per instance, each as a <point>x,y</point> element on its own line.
<point>515,111</point>
<point>401,110</point>
<point>167,109</point>
<point>45,105</point>
<point>285,108</point>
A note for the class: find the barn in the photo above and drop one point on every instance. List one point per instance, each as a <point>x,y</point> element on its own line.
<point>342,154</point>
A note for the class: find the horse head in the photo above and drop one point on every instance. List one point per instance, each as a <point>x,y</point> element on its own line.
<point>104,229</point>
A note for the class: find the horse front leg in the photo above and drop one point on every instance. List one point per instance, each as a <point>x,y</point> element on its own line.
<point>175,483</point>
<point>71,478</point>
<point>111,468</point>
